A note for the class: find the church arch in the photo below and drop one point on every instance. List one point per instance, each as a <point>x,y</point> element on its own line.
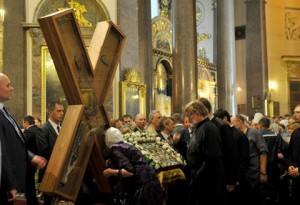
<point>96,10</point>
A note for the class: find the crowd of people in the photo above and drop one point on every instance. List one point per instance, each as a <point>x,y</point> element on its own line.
<point>231,159</point>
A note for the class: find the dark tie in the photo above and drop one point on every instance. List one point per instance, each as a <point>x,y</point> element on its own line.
<point>58,128</point>
<point>12,121</point>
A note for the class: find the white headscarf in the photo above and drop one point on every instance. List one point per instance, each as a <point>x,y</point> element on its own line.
<point>113,136</point>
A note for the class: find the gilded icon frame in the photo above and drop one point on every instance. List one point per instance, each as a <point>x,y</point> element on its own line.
<point>133,94</point>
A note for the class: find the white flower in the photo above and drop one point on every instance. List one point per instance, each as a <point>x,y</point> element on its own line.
<point>156,166</point>
<point>138,134</point>
<point>157,151</point>
<point>133,134</point>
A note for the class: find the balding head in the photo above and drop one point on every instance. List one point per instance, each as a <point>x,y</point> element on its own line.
<point>5,88</point>
<point>140,121</point>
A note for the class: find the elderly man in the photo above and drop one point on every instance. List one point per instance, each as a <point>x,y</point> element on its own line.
<point>207,185</point>
<point>154,119</point>
<point>166,125</point>
<point>140,122</point>
<point>15,156</point>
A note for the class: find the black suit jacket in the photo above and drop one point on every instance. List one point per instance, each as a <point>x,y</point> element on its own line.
<point>229,150</point>
<point>14,157</point>
<point>46,140</point>
<point>31,137</point>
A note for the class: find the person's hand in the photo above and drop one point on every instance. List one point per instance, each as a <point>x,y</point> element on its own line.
<point>12,195</point>
<point>293,171</point>
<point>125,173</point>
<point>108,163</point>
<point>176,137</point>
<point>230,187</point>
<point>114,172</point>
<point>107,172</point>
<point>39,161</point>
<point>263,177</point>
<point>280,155</point>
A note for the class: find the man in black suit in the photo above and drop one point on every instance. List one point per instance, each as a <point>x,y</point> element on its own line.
<point>30,133</point>
<point>15,156</point>
<point>48,135</point>
<point>229,147</point>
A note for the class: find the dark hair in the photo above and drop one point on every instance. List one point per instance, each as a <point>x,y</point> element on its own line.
<point>240,118</point>
<point>29,119</point>
<point>126,116</point>
<point>164,121</point>
<point>51,105</point>
<point>220,113</point>
<point>177,118</point>
<point>265,122</point>
<point>206,103</point>
<point>196,106</point>
<point>38,119</point>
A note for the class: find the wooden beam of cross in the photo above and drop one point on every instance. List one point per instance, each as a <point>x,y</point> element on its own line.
<point>86,78</point>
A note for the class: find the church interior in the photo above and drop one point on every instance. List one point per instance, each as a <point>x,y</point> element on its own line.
<point>242,55</point>
<point>245,60</point>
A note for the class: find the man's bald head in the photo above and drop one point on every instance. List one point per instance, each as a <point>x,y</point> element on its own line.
<point>140,121</point>
<point>5,88</point>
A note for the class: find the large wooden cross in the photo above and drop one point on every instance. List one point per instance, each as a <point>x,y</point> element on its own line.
<point>86,78</point>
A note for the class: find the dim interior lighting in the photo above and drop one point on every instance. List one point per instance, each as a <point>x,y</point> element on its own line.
<point>239,88</point>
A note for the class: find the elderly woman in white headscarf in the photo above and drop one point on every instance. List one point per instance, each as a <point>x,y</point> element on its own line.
<point>138,176</point>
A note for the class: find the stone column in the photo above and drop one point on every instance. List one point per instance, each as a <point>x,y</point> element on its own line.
<point>256,61</point>
<point>134,18</point>
<point>226,80</point>
<point>14,57</point>
<point>184,54</point>
<point>145,50</point>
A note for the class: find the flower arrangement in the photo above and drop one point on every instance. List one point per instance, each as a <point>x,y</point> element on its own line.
<point>157,151</point>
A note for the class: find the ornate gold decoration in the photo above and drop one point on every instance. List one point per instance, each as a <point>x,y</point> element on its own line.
<point>162,54</point>
<point>214,4</point>
<point>202,54</point>
<point>292,25</point>
<point>202,37</point>
<point>292,65</point>
<point>294,70</point>
<point>162,34</point>
<point>79,10</point>
<point>163,104</point>
<point>207,65</point>
<point>161,77</point>
<point>132,76</point>
<point>132,82</point>
<point>199,12</point>
<point>207,81</point>
<point>165,6</point>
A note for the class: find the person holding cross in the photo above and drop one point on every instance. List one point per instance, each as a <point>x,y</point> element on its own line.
<point>15,155</point>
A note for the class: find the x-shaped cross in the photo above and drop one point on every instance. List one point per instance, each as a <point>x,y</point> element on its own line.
<point>86,78</point>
